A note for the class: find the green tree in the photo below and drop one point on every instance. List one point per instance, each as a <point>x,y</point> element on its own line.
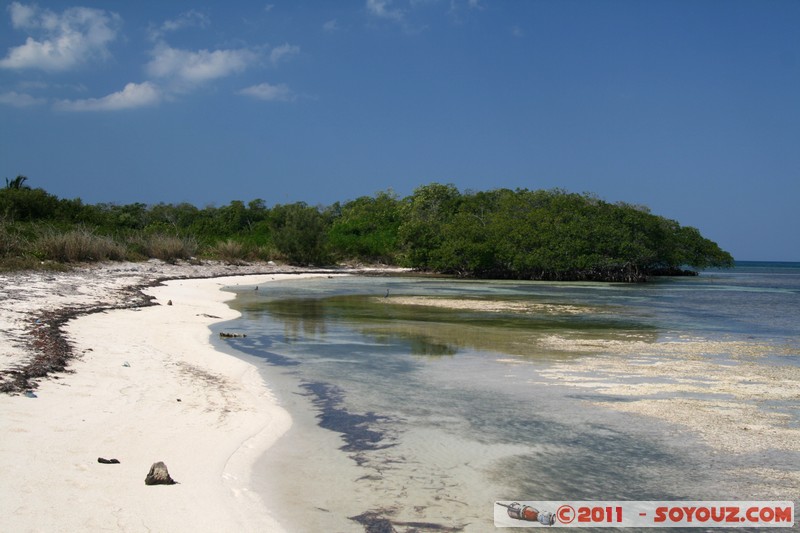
<point>367,228</point>
<point>500,233</point>
<point>17,183</point>
<point>299,232</point>
<point>19,203</point>
<point>546,235</point>
<point>424,216</point>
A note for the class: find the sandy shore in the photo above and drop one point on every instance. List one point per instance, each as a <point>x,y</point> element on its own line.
<point>146,386</point>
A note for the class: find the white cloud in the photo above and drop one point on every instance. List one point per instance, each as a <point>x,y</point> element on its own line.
<point>186,67</point>
<point>21,16</point>
<point>16,99</point>
<point>266,91</point>
<point>134,95</point>
<point>188,19</point>
<point>283,52</point>
<point>331,25</point>
<point>382,9</point>
<point>65,40</point>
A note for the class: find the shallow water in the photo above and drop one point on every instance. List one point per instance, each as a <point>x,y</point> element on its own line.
<point>425,404</point>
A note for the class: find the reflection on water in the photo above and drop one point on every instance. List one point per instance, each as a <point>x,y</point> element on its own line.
<point>429,329</point>
<point>301,317</point>
<point>418,410</point>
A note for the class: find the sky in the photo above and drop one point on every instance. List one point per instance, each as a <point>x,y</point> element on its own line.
<point>690,107</point>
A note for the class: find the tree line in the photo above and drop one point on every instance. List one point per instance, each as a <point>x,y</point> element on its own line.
<point>501,233</point>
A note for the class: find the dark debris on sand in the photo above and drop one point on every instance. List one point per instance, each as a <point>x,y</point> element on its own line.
<point>48,342</point>
<point>376,522</point>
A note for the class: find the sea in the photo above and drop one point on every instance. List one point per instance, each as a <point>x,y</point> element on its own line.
<point>418,402</point>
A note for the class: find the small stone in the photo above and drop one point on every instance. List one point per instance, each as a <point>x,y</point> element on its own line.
<point>159,475</point>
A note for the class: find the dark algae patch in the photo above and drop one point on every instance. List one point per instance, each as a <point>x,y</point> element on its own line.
<point>376,522</point>
<point>357,430</point>
<point>361,435</point>
<point>250,346</point>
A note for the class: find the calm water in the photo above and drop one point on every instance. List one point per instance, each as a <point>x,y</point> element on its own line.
<point>411,401</point>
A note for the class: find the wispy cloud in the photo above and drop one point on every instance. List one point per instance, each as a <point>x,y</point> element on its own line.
<point>382,9</point>
<point>188,19</point>
<point>460,8</point>
<point>331,25</point>
<point>62,41</point>
<point>283,53</point>
<point>16,99</point>
<point>269,92</point>
<point>189,68</point>
<point>133,96</point>
<point>412,16</point>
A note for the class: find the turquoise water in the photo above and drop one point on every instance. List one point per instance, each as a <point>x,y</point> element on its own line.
<point>421,401</point>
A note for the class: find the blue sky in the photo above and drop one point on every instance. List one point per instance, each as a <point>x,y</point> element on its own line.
<point>690,107</point>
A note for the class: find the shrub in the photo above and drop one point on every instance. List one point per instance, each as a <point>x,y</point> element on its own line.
<point>265,253</point>
<point>79,245</point>
<point>11,242</point>
<point>169,248</point>
<point>230,251</point>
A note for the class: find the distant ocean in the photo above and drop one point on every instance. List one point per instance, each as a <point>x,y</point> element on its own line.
<point>423,400</point>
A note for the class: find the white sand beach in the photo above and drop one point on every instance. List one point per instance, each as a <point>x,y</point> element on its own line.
<point>146,386</point>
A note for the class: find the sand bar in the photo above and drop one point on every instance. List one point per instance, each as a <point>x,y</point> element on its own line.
<point>146,386</point>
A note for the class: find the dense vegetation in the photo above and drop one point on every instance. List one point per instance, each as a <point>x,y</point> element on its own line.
<point>520,234</point>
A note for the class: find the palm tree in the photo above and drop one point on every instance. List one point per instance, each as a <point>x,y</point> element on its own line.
<point>17,183</point>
